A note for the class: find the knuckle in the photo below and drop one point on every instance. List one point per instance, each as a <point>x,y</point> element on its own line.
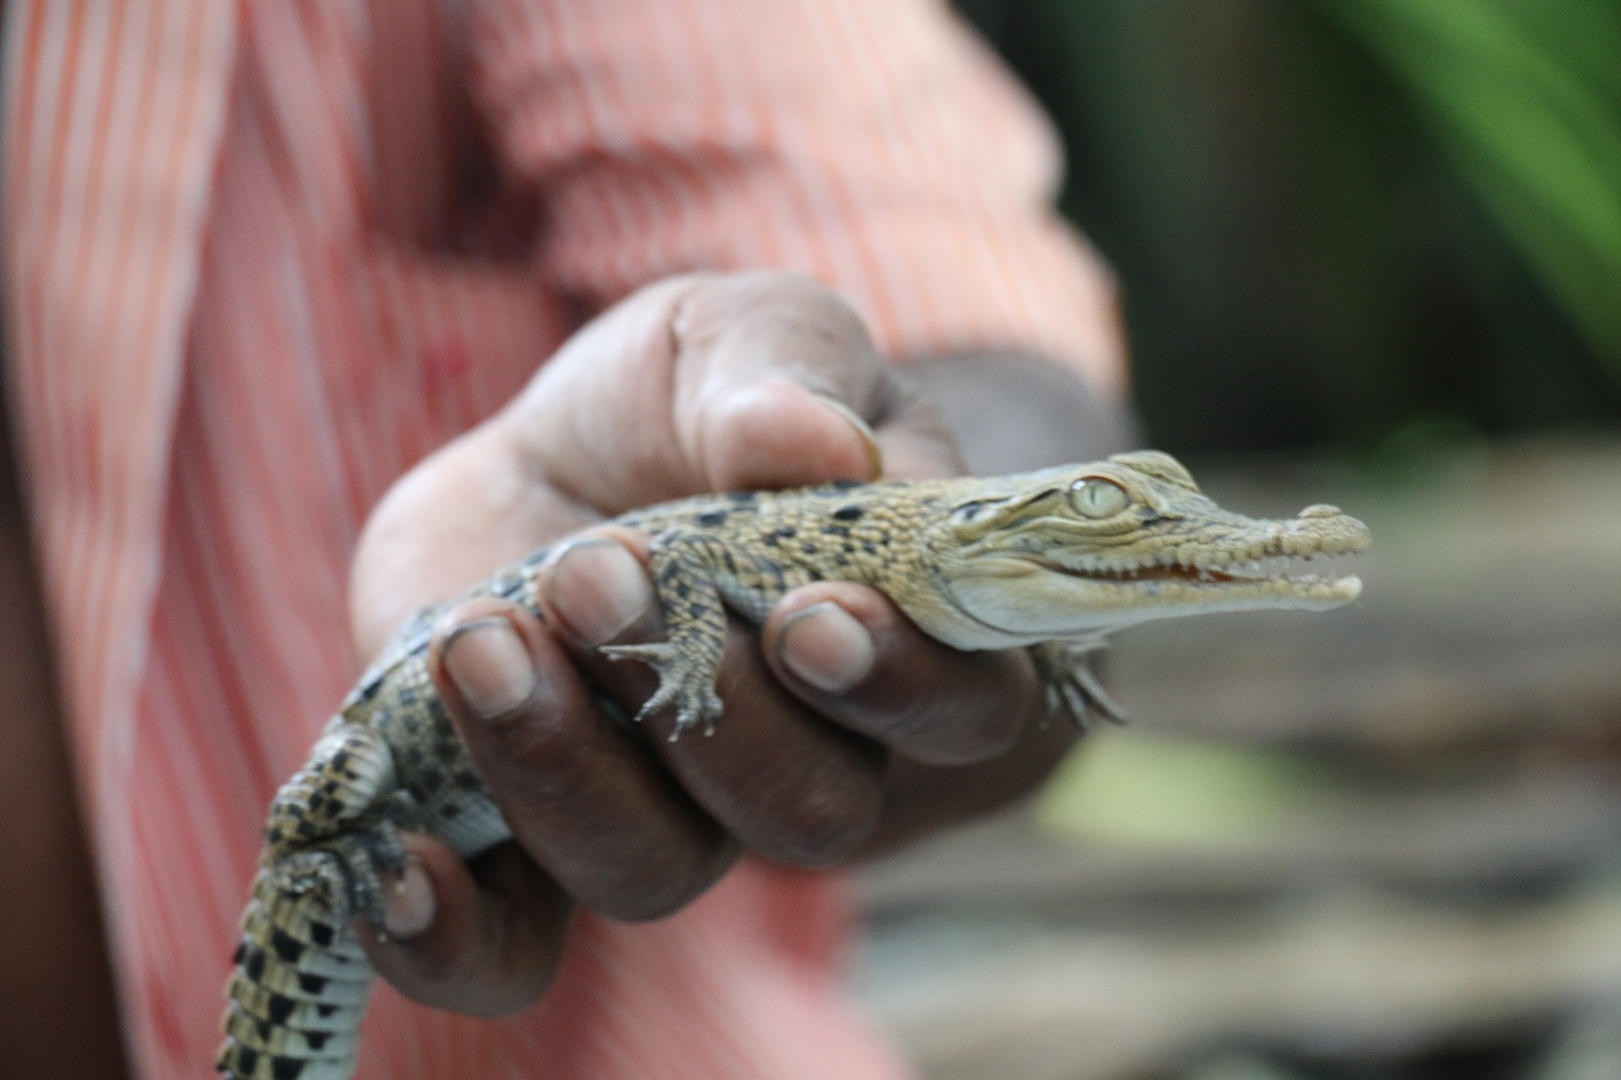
<point>532,750</point>
<point>824,824</point>
<point>970,710</point>
<point>639,881</point>
<point>967,739</point>
<point>651,892</point>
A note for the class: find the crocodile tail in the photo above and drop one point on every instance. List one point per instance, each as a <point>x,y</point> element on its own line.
<point>301,980</point>
<point>298,991</point>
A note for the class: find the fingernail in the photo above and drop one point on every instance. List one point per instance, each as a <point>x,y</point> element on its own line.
<point>490,665</point>
<point>827,647</point>
<point>598,589</point>
<point>408,903</point>
<point>875,456</point>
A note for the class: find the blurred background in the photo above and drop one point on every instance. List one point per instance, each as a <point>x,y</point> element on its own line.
<point>1370,252</point>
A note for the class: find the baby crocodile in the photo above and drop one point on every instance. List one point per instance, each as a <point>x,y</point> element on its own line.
<point>1053,560</point>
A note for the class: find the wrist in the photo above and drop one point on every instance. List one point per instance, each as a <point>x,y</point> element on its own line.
<point>1012,412</point>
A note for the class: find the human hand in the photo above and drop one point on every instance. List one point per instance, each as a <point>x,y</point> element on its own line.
<point>697,384</point>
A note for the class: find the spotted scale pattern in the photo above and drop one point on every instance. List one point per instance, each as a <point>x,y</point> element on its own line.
<point>391,758</point>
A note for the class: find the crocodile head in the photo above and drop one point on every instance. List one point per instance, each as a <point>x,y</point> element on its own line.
<point>1083,549</point>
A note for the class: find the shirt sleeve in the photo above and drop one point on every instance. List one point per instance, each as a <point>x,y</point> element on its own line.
<point>875,144</point>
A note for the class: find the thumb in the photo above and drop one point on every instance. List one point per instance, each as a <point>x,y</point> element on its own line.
<point>704,383</point>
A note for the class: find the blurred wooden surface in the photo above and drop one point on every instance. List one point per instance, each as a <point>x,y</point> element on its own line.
<point>1436,860</point>
<point>1362,971</point>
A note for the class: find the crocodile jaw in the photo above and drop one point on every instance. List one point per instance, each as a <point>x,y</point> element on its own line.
<point>1017,600</point>
<point>1012,590</point>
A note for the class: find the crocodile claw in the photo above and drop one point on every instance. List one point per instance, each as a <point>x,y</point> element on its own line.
<point>681,685</point>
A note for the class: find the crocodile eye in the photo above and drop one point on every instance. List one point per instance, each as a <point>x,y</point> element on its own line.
<point>1095,497</point>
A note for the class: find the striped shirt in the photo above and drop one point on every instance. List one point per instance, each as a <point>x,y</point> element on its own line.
<point>263,257</point>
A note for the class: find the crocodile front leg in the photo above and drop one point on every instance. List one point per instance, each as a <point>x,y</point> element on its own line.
<point>688,660</point>
<point>697,577</point>
<point>1071,685</point>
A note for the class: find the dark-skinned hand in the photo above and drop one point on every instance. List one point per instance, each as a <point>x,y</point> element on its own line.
<point>845,725</point>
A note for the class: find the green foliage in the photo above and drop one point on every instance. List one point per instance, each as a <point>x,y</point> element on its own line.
<point>1155,791</point>
<point>1334,220</point>
<point>1525,96</point>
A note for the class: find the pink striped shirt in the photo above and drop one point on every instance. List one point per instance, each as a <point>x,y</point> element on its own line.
<point>262,257</point>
